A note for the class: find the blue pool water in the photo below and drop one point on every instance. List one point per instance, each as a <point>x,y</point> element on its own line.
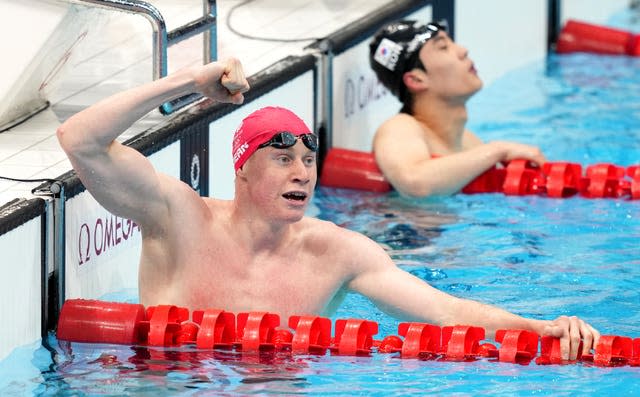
<point>535,256</point>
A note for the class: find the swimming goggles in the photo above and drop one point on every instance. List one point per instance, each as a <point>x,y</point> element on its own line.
<point>286,139</point>
<point>429,31</point>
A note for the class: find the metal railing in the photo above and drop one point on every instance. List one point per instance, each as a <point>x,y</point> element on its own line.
<point>162,39</point>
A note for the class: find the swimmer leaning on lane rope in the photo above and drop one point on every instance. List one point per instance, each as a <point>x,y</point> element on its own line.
<point>257,252</point>
<point>425,150</point>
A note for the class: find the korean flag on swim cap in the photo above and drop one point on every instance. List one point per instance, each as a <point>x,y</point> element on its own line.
<point>388,53</point>
<point>393,48</point>
<point>259,127</point>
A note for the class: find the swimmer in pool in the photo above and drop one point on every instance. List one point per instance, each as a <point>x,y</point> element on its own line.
<point>425,150</point>
<point>257,252</point>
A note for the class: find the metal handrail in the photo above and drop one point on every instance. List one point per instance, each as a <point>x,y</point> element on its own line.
<point>163,39</point>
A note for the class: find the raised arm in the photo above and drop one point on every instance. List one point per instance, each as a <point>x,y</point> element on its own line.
<point>409,298</point>
<point>119,177</point>
<point>405,158</point>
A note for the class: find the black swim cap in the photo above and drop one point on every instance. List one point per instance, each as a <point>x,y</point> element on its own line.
<point>394,51</point>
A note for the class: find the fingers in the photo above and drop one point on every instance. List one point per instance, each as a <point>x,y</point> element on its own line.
<point>222,81</point>
<point>575,328</point>
<point>237,98</point>
<point>234,80</point>
<point>594,336</point>
<point>538,158</point>
<point>560,329</point>
<point>513,150</point>
<point>573,331</point>
<point>533,153</point>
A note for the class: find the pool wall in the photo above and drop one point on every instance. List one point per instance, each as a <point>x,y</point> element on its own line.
<point>65,245</point>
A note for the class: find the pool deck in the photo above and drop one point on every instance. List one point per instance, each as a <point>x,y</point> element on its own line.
<point>118,56</point>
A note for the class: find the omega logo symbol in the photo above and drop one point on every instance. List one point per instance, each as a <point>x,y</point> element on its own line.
<point>195,172</point>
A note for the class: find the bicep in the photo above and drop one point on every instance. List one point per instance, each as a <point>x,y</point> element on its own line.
<point>399,151</point>
<point>124,182</point>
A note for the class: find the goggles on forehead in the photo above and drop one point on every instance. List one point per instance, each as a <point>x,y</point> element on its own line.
<point>286,139</point>
<point>428,31</point>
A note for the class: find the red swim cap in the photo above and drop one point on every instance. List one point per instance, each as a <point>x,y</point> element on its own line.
<point>260,126</point>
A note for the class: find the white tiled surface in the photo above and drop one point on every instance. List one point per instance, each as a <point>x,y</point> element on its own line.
<point>116,54</point>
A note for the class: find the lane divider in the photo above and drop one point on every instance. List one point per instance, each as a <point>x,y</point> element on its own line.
<point>579,36</point>
<point>93,321</point>
<point>344,168</point>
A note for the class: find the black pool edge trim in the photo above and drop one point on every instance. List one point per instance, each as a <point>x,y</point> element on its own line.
<point>553,24</point>
<point>19,211</point>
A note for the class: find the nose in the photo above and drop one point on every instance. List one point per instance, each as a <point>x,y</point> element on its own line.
<point>462,51</point>
<point>301,172</point>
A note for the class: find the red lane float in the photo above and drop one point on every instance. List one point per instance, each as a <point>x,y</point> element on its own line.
<point>216,328</point>
<point>519,177</point>
<point>255,330</point>
<point>461,342</point>
<point>165,324</point>
<point>612,350</point>
<point>390,344</point>
<point>561,179</point>
<point>419,340</point>
<point>550,352</point>
<point>312,334</point>
<point>490,181</point>
<point>92,321</point>
<point>577,36</point>
<point>354,337</point>
<point>351,169</point>
<point>634,173</point>
<point>522,179</point>
<point>517,346</point>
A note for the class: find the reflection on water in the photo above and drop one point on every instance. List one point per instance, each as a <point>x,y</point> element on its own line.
<point>117,370</point>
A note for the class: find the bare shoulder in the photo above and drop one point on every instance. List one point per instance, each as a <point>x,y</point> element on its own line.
<point>399,144</point>
<point>470,140</point>
<point>400,123</point>
<point>397,135</point>
<point>338,241</point>
<point>325,229</point>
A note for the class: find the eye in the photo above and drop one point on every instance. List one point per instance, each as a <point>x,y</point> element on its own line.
<point>283,159</point>
<point>444,44</point>
<point>309,160</point>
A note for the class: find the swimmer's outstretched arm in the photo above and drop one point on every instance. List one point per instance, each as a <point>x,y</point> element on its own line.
<point>406,161</point>
<point>409,298</point>
<point>119,177</point>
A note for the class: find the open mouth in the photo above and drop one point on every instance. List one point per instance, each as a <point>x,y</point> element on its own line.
<point>295,196</point>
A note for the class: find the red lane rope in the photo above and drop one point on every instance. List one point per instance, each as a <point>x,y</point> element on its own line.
<point>578,36</point>
<point>344,168</point>
<point>93,321</point>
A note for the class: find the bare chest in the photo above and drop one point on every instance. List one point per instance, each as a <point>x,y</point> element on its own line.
<point>217,272</point>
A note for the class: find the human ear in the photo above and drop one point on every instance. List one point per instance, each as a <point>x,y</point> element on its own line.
<point>415,80</point>
<point>241,173</point>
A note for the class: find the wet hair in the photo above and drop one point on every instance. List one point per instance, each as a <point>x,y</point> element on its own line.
<point>394,50</point>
